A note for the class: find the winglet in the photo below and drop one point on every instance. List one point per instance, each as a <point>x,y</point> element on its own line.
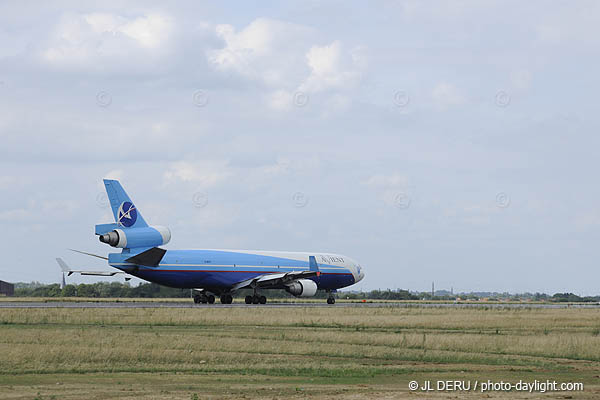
<point>63,266</point>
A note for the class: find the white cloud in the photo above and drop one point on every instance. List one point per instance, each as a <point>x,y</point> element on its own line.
<point>267,50</point>
<point>149,31</point>
<point>83,39</point>
<point>283,56</point>
<point>37,210</point>
<point>332,68</point>
<point>204,173</point>
<point>280,100</point>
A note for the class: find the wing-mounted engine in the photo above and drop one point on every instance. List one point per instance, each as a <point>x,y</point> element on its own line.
<point>302,288</point>
<point>148,236</point>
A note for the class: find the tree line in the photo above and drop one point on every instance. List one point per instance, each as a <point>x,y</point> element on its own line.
<point>153,290</point>
<point>100,290</point>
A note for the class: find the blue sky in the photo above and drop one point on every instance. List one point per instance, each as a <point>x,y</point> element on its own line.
<point>446,141</point>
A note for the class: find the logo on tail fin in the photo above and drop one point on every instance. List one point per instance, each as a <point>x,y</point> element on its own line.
<point>127,214</point>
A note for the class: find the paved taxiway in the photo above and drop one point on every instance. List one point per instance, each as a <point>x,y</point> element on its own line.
<point>190,304</point>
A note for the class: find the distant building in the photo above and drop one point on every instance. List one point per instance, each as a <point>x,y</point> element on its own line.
<point>7,289</point>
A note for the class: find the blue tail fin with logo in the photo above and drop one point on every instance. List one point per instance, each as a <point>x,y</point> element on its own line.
<point>129,231</point>
<point>126,213</point>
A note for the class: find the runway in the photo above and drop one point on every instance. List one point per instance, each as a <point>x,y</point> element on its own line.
<point>190,304</point>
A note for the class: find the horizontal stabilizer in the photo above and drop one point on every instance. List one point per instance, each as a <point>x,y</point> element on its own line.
<point>98,273</point>
<point>148,258</point>
<point>66,269</point>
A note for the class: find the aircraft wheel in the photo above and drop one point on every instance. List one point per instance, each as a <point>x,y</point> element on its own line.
<point>211,299</point>
<point>331,300</point>
<point>262,300</point>
<point>255,300</point>
<point>226,299</point>
<point>196,299</point>
<point>248,299</point>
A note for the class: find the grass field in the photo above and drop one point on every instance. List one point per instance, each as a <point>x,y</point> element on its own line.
<point>238,299</point>
<point>268,353</point>
<point>290,299</point>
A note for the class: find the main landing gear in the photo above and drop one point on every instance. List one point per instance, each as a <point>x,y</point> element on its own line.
<point>256,299</point>
<point>204,298</point>
<point>226,299</point>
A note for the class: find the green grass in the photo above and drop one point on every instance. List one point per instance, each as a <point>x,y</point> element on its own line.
<point>278,352</point>
<point>288,299</point>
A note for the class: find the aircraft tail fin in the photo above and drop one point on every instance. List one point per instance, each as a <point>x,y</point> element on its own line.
<point>125,212</point>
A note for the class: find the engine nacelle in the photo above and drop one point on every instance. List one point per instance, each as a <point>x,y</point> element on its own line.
<point>150,236</point>
<point>302,288</point>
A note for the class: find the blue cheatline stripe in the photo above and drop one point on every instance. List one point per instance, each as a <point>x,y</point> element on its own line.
<point>235,266</point>
<point>245,271</point>
<point>231,268</point>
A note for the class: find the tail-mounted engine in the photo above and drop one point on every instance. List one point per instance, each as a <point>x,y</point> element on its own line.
<point>149,236</point>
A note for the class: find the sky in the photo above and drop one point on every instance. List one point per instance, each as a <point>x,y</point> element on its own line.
<point>454,142</point>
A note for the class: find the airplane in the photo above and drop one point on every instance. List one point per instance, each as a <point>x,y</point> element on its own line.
<point>211,272</point>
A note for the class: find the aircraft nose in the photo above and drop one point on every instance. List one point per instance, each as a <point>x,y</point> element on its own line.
<point>360,274</point>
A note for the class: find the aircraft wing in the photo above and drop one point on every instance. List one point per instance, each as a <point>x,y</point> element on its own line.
<point>65,268</point>
<point>273,279</point>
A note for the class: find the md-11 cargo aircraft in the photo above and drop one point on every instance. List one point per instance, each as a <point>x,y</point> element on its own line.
<point>213,272</point>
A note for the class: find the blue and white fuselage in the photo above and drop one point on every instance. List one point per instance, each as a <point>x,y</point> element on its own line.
<point>221,272</point>
<point>218,270</point>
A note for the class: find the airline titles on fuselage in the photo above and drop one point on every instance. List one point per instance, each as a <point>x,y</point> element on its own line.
<point>331,259</point>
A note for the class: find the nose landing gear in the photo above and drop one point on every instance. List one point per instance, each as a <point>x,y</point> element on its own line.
<point>330,298</point>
